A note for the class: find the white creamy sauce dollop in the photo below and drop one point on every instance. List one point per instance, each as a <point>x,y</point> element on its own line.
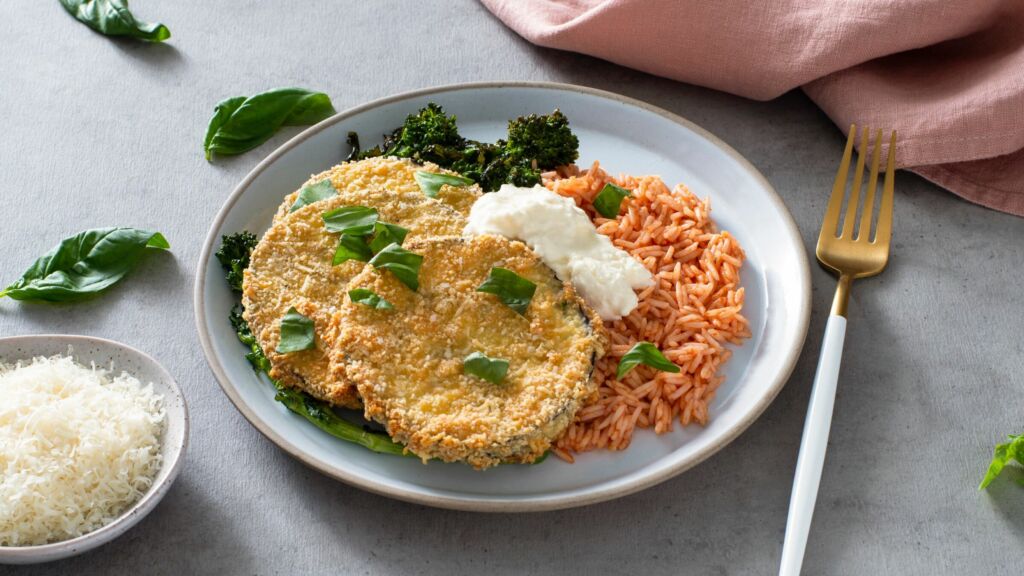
<point>566,240</point>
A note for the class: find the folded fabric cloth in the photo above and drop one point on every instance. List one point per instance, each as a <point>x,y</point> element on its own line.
<point>948,75</point>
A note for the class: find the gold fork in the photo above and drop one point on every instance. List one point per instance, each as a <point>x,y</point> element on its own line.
<point>849,256</point>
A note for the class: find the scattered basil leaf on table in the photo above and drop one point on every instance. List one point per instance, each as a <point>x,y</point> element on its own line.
<point>609,200</point>
<point>242,123</point>
<point>296,332</point>
<point>311,193</point>
<point>491,369</point>
<point>431,182</point>
<point>354,220</point>
<point>233,255</point>
<point>1004,454</point>
<point>113,18</point>
<point>84,264</point>
<point>384,234</point>
<point>644,353</point>
<point>317,412</point>
<point>403,264</point>
<point>512,289</point>
<point>351,247</point>
<point>369,298</point>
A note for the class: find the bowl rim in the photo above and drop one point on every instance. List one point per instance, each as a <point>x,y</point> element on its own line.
<point>140,508</point>
<point>478,504</point>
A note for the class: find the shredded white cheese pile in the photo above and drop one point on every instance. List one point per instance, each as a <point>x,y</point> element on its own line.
<point>77,447</point>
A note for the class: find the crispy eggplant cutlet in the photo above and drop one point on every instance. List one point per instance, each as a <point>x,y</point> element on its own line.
<point>394,174</point>
<point>407,362</point>
<point>292,266</point>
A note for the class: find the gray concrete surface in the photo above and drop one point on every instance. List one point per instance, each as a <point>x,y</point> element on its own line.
<point>97,132</point>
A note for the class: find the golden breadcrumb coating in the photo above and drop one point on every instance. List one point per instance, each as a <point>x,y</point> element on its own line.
<point>395,174</point>
<point>408,362</point>
<point>291,266</point>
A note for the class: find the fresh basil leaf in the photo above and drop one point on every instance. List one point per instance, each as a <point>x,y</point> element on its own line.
<point>644,353</point>
<point>351,248</point>
<point>353,220</point>
<point>310,193</point>
<point>242,123</point>
<point>403,264</point>
<point>431,182</point>
<point>511,288</point>
<point>1003,455</point>
<point>113,18</point>
<point>491,369</point>
<point>84,264</point>
<point>369,298</point>
<point>221,115</point>
<point>296,333</point>
<point>385,234</point>
<point>609,200</point>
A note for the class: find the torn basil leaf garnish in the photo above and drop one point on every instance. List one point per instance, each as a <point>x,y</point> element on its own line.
<point>296,333</point>
<point>512,289</point>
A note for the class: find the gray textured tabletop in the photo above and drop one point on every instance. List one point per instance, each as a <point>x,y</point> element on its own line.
<point>99,132</point>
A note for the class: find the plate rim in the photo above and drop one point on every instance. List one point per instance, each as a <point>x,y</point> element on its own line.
<point>42,553</point>
<point>491,504</point>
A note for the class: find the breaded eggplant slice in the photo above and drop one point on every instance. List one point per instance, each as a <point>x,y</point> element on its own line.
<point>407,362</point>
<point>395,174</point>
<point>291,266</point>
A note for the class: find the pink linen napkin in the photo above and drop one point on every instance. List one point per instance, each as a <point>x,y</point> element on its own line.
<point>948,75</point>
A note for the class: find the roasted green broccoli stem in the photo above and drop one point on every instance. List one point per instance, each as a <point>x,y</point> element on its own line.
<point>321,415</point>
<point>234,256</point>
<point>541,141</point>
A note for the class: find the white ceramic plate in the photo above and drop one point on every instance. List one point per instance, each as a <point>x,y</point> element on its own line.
<point>86,350</point>
<point>626,136</point>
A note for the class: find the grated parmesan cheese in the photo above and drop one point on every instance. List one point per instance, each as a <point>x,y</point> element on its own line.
<point>77,448</point>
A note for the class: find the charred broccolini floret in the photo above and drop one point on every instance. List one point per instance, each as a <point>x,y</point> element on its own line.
<point>535,143</point>
<point>489,166</point>
<point>234,256</point>
<point>430,135</point>
<point>544,140</point>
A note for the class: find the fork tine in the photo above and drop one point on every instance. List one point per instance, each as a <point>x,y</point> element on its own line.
<point>835,202</point>
<point>883,231</point>
<point>869,193</point>
<point>858,176</point>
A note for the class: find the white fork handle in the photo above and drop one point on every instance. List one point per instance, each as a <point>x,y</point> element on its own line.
<point>812,447</point>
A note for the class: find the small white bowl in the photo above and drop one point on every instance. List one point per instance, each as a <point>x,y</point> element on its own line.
<point>86,350</point>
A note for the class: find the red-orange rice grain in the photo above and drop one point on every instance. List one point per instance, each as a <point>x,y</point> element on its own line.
<point>693,309</point>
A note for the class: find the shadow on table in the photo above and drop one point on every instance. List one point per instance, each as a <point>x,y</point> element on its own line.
<point>158,55</point>
<point>249,159</point>
<point>1006,494</point>
<point>141,289</point>
<point>661,528</point>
